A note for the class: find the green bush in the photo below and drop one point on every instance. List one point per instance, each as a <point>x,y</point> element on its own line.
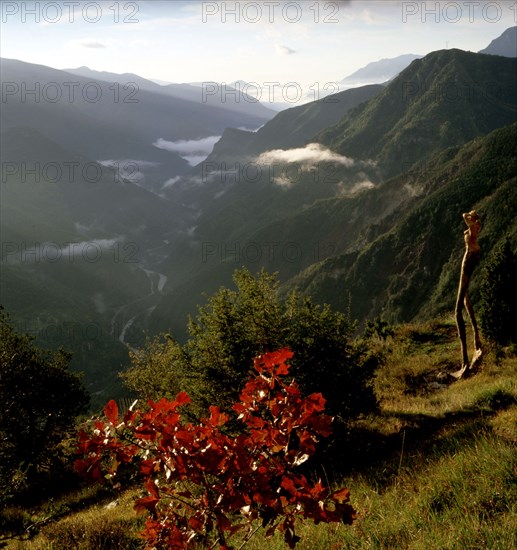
<point>40,402</point>
<point>237,325</point>
<point>498,304</point>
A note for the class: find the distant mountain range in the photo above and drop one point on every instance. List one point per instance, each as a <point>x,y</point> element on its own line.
<point>379,71</point>
<point>505,45</point>
<point>125,119</point>
<point>229,97</point>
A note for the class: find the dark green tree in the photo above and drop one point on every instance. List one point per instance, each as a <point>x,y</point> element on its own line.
<point>157,369</point>
<point>498,298</point>
<point>237,325</point>
<point>40,402</point>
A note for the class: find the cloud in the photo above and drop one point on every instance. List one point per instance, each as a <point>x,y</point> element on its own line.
<point>171,181</point>
<point>82,229</point>
<point>53,252</point>
<point>361,186</point>
<point>193,151</point>
<point>253,130</point>
<point>83,248</point>
<point>307,159</point>
<point>100,303</point>
<point>95,44</point>
<point>194,160</point>
<point>309,155</point>
<point>284,50</point>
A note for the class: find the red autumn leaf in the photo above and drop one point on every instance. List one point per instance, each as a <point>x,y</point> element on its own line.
<point>216,418</point>
<point>341,495</point>
<point>317,401</point>
<point>82,466</point>
<point>318,491</point>
<point>195,523</point>
<point>150,485</point>
<point>288,484</point>
<point>182,398</point>
<point>321,424</point>
<point>277,357</point>
<point>147,467</point>
<point>255,422</point>
<point>111,412</point>
<point>258,436</point>
<point>99,425</point>
<point>146,503</point>
<point>282,370</point>
<point>239,408</point>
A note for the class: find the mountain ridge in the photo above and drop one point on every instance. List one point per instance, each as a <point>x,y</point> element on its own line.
<point>505,44</point>
<point>380,71</point>
<point>307,213</point>
<point>239,102</point>
<point>409,268</point>
<point>437,102</point>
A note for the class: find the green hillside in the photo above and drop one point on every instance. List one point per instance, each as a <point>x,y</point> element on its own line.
<point>319,230</point>
<point>294,127</point>
<point>73,248</point>
<point>442,100</point>
<point>408,267</point>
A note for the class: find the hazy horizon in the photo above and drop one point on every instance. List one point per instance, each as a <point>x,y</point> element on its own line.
<point>312,44</point>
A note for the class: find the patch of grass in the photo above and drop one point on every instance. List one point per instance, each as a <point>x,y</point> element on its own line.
<point>24,523</point>
<point>466,498</point>
<point>458,496</point>
<point>415,378</point>
<point>504,424</point>
<point>112,526</point>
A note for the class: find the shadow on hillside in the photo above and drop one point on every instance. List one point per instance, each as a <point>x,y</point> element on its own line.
<point>437,333</point>
<point>362,450</point>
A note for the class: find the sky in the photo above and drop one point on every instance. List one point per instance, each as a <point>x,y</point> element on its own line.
<point>308,42</point>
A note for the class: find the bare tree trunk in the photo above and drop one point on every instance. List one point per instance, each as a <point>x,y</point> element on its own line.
<point>470,260</point>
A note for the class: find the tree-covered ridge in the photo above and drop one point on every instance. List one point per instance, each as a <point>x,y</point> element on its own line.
<point>445,99</point>
<point>498,299</point>
<point>409,266</point>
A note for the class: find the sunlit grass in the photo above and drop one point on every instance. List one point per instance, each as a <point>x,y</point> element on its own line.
<point>416,377</point>
<point>108,525</point>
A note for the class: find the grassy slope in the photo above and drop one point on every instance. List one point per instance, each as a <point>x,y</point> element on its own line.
<point>434,469</point>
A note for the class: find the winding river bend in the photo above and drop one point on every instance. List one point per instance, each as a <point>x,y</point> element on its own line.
<point>142,307</point>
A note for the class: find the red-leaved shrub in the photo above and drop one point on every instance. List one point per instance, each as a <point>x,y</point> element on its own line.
<point>204,484</point>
